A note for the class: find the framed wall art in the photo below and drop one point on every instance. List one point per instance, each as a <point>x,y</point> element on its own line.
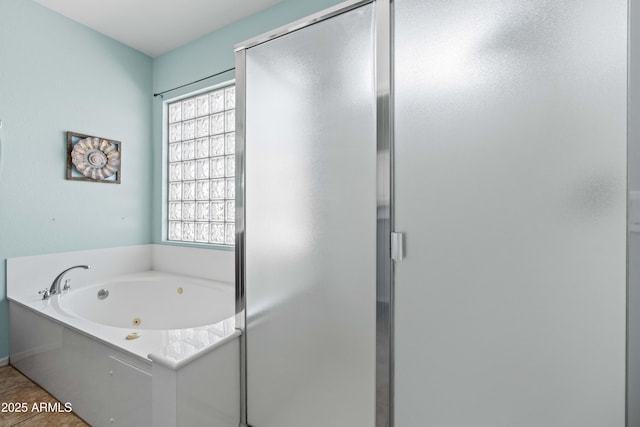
<point>91,158</point>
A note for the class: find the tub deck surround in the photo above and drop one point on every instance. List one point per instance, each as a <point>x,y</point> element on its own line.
<point>75,345</point>
<point>29,274</point>
<point>101,382</point>
<point>26,276</point>
<point>172,347</point>
<point>210,264</point>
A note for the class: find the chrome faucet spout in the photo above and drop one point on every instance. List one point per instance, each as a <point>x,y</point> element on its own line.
<point>55,286</point>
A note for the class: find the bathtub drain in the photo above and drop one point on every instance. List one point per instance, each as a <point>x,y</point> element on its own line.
<point>103,293</point>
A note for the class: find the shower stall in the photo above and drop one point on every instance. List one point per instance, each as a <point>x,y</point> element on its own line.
<point>431,216</point>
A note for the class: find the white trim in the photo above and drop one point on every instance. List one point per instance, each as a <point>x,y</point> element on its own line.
<point>4,361</point>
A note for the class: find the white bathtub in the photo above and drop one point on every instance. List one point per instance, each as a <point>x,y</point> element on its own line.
<point>151,300</point>
<point>140,356</point>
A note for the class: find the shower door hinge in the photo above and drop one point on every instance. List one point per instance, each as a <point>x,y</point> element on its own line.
<point>397,246</point>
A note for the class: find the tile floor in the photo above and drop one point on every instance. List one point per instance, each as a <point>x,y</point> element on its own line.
<point>16,388</point>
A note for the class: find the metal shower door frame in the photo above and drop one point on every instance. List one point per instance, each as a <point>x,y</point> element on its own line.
<point>384,194</point>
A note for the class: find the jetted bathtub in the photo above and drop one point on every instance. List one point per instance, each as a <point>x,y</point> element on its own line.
<point>151,300</point>
<point>149,348</point>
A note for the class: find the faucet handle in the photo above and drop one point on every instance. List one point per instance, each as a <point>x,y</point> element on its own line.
<point>44,293</point>
<point>66,286</point>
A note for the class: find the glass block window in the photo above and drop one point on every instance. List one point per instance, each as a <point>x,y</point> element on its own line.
<point>201,169</point>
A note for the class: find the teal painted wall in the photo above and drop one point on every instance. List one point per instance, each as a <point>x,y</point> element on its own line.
<point>57,75</point>
<point>206,56</point>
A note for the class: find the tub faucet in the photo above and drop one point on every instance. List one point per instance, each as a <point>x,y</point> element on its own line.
<point>55,286</point>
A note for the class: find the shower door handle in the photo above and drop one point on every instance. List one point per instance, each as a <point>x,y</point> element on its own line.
<point>397,246</point>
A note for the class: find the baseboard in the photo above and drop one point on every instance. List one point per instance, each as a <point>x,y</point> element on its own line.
<point>4,361</point>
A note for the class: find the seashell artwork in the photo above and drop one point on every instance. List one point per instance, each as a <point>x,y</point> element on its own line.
<point>97,159</point>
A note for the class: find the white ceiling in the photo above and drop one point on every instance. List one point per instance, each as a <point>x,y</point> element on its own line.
<point>156,26</point>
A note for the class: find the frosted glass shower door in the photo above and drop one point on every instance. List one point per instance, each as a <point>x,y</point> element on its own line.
<point>510,167</point>
<point>310,231</point>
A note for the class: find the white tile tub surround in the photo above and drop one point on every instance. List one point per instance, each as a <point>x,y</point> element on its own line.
<point>26,276</point>
<point>206,263</point>
<point>174,348</point>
